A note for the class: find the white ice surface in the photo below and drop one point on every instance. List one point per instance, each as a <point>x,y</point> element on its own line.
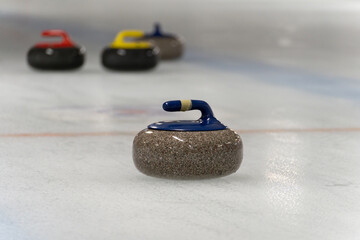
<point>66,169</point>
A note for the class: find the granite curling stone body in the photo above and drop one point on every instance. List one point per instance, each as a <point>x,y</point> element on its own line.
<point>56,56</point>
<point>188,149</point>
<point>170,46</point>
<point>136,55</point>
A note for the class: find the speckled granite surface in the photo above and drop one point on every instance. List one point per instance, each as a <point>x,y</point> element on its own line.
<point>187,155</point>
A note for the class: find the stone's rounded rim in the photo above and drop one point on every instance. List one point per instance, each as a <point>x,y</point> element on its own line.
<point>66,58</point>
<point>120,59</point>
<point>186,126</point>
<point>76,47</point>
<point>130,49</point>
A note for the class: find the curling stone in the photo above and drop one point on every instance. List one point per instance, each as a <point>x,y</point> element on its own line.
<point>170,46</point>
<point>188,149</point>
<point>136,55</point>
<point>56,55</point>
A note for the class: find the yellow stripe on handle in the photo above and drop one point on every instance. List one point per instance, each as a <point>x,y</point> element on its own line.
<point>120,42</point>
<point>185,105</point>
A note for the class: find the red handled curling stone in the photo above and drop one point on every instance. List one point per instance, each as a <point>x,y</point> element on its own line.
<point>58,55</point>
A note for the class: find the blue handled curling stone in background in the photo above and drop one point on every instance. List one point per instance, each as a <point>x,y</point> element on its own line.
<point>56,55</point>
<point>188,149</point>
<point>170,45</point>
<point>130,55</point>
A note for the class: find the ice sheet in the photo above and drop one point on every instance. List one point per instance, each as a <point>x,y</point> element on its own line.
<point>285,79</point>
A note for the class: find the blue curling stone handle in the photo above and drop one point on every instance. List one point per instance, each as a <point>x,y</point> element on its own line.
<point>207,121</point>
<point>158,32</point>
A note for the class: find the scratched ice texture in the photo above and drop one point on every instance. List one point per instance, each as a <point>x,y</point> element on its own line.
<point>284,74</point>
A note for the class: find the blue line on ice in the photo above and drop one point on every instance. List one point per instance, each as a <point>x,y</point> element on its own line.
<point>285,76</point>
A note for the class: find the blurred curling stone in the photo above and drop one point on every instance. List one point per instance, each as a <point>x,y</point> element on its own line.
<point>126,55</point>
<point>56,55</point>
<point>170,46</point>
